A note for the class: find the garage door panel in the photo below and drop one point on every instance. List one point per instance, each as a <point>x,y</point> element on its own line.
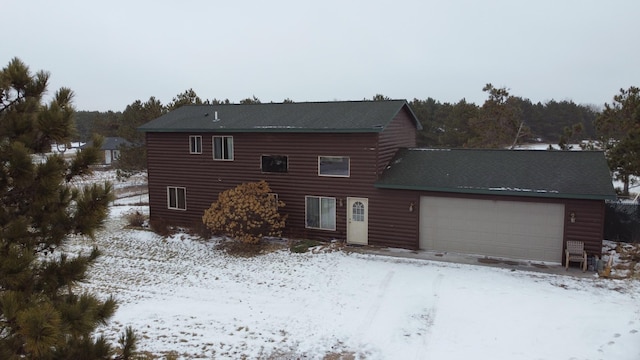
<point>525,230</point>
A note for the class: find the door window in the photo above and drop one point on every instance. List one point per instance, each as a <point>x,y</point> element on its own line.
<point>357,211</point>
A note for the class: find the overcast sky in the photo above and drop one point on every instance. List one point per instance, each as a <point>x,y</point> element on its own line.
<point>111,53</point>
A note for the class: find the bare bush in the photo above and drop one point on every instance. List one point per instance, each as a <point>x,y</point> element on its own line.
<point>246,213</point>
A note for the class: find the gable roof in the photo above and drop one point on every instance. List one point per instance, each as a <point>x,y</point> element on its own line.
<point>109,143</point>
<point>338,116</point>
<point>535,173</point>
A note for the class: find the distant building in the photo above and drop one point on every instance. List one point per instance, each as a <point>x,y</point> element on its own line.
<point>110,148</point>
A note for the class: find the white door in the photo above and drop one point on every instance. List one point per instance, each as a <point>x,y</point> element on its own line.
<point>107,157</point>
<point>357,221</point>
<point>509,229</point>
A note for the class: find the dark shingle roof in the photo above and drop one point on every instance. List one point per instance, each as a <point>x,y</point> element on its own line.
<point>536,173</point>
<point>339,116</point>
<point>109,143</point>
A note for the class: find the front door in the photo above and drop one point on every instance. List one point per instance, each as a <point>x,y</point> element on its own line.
<point>357,220</point>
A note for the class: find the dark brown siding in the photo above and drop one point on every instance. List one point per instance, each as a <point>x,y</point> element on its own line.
<point>391,223</point>
<point>588,226</point>
<point>170,164</point>
<point>401,132</point>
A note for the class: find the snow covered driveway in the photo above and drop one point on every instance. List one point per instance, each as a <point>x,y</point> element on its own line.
<point>183,295</point>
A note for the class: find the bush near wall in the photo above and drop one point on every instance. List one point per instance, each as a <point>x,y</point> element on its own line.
<point>246,213</point>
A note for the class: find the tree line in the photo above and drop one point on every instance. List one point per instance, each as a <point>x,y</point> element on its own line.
<point>445,124</point>
<point>502,121</point>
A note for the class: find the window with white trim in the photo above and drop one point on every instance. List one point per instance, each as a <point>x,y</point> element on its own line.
<point>223,148</point>
<point>195,144</point>
<point>320,212</point>
<point>333,166</point>
<point>176,198</point>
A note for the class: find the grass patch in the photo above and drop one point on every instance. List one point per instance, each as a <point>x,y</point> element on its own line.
<point>244,250</point>
<point>302,246</point>
<point>162,227</point>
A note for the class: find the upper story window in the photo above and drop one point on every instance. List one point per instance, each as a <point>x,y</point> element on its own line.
<point>274,163</point>
<point>333,166</point>
<point>223,148</point>
<point>195,144</point>
<point>176,198</point>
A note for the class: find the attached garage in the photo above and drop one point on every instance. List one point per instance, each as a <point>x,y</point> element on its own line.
<point>519,204</point>
<point>511,229</point>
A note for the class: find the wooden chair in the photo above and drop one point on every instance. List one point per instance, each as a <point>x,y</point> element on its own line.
<point>575,252</point>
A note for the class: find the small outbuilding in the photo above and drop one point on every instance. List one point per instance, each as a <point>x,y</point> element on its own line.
<point>110,148</point>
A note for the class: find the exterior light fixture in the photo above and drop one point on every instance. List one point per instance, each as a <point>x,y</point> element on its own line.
<point>412,206</point>
<point>573,217</point>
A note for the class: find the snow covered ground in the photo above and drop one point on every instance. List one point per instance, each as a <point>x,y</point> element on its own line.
<point>183,296</point>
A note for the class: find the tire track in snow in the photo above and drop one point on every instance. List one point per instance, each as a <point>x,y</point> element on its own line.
<point>430,316</point>
<point>373,310</point>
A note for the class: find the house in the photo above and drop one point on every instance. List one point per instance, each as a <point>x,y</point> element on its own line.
<point>350,170</point>
<point>110,148</point>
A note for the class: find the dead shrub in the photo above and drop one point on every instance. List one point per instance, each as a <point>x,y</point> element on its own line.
<point>161,227</point>
<point>136,219</point>
<point>246,213</point>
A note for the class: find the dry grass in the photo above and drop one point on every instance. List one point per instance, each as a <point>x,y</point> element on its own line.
<point>626,260</point>
<point>245,250</point>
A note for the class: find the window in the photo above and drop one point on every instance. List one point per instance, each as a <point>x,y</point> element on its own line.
<point>274,164</point>
<point>176,198</point>
<point>333,166</point>
<point>195,144</point>
<point>320,212</point>
<point>273,198</point>
<point>357,211</point>
<point>223,148</point>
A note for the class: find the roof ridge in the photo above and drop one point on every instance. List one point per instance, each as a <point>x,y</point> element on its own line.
<point>300,102</point>
<point>502,150</point>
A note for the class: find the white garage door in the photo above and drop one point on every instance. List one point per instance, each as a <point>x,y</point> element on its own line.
<point>519,230</point>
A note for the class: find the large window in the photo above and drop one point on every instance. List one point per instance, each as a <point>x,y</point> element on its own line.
<point>274,164</point>
<point>176,198</point>
<point>333,166</point>
<point>223,148</point>
<point>195,144</point>
<point>320,212</point>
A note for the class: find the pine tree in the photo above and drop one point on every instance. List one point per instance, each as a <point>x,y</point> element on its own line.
<point>618,129</point>
<point>41,314</point>
<point>499,122</point>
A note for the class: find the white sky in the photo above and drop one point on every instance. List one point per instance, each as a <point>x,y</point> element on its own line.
<point>112,53</point>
